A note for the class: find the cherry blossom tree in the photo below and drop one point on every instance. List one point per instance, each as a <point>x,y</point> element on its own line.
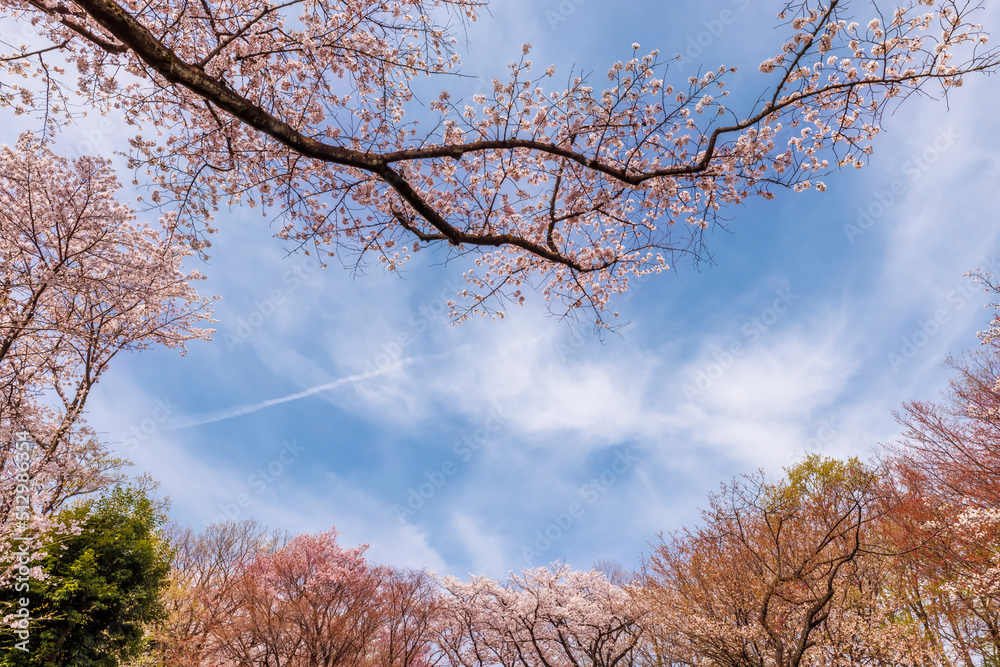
<point>950,448</point>
<point>949,459</point>
<point>81,280</point>
<point>204,564</point>
<point>313,603</point>
<point>306,107</point>
<point>948,587</point>
<point>410,608</point>
<point>782,574</point>
<point>308,604</point>
<point>544,617</point>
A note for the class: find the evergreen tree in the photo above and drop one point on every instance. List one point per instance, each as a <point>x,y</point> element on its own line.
<point>103,588</point>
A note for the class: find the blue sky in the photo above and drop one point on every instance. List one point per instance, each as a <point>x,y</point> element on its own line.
<point>329,399</point>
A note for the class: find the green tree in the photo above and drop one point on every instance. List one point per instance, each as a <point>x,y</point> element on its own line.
<point>103,588</point>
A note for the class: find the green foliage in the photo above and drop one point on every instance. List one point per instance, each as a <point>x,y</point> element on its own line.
<point>817,472</point>
<point>103,588</point>
<point>818,477</point>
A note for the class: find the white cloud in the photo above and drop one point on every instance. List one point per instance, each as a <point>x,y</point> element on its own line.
<point>488,552</point>
<point>567,401</point>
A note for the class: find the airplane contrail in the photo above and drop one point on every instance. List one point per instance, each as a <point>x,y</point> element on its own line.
<point>229,413</point>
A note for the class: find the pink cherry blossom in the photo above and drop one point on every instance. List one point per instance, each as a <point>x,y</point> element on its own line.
<point>82,281</point>
<point>305,109</point>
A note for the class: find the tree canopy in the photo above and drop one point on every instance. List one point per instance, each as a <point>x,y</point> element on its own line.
<point>307,109</point>
<point>104,573</point>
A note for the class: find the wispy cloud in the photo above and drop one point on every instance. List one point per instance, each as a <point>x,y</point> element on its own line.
<point>714,378</point>
<point>237,411</point>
